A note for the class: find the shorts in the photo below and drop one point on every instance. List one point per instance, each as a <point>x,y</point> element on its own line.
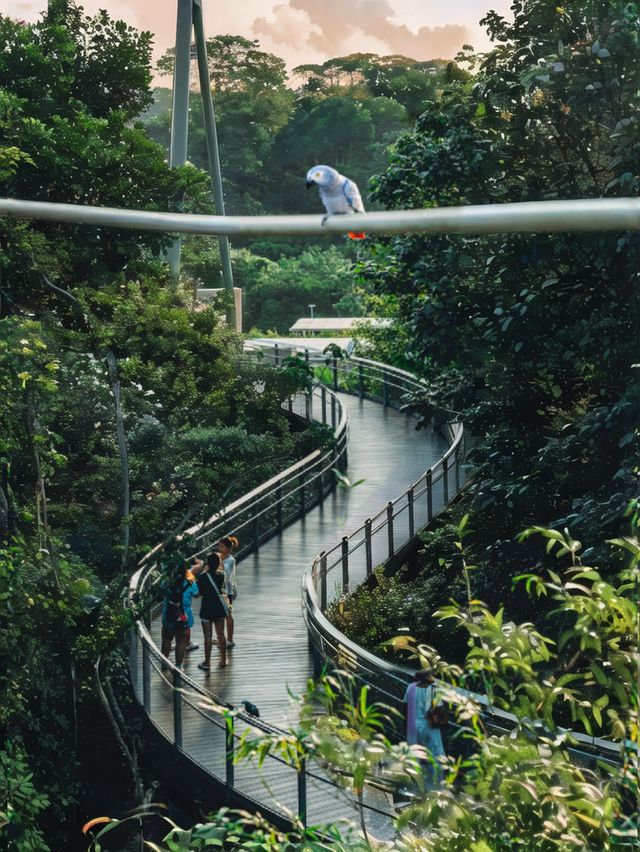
<point>176,632</point>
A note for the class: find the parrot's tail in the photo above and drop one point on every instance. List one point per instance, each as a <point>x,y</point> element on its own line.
<point>356,236</point>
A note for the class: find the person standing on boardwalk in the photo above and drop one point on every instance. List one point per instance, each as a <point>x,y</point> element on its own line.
<point>420,698</point>
<point>213,609</point>
<point>177,613</point>
<point>226,546</point>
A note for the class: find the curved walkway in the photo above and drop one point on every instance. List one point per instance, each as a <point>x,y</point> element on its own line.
<point>272,649</point>
<point>271,652</point>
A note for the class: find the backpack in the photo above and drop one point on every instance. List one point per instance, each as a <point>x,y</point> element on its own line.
<point>176,616</point>
<point>438,716</point>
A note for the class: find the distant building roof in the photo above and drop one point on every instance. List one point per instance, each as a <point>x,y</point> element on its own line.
<point>297,345</point>
<point>306,324</point>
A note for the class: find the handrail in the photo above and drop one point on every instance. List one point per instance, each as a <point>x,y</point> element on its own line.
<point>586,214</point>
<point>356,554</point>
<point>370,379</point>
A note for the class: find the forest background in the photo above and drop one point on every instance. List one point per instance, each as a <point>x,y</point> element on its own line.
<point>127,409</point>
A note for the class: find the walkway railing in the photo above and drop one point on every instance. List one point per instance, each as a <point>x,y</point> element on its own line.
<point>174,702</point>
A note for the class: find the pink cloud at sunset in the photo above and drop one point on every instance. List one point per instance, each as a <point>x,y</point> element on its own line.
<point>303,31</point>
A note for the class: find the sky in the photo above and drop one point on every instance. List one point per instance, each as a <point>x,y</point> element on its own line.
<point>310,31</point>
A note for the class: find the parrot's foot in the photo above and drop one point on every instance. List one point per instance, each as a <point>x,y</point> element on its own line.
<point>325,218</point>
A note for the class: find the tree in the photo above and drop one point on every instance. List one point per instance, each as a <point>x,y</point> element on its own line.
<point>529,336</point>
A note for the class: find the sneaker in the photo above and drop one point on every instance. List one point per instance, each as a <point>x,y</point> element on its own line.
<point>231,644</point>
<point>203,667</point>
<point>192,646</point>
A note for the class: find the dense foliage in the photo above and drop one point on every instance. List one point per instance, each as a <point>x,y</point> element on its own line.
<point>125,410</point>
<point>531,337</point>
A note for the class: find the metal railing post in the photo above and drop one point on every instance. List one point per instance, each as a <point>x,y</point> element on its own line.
<point>276,356</point>
<point>458,455</point>
<point>367,545</point>
<point>445,480</point>
<point>390,526</point>
<point>290,405</point>
<point>146,678</point>
<point>429,479</point>
<point>334,366</point>
<point>412,523</point>
<point>333,412</point>
<point>303,496</point>
<point>323,397</point>
<point>345,563</point>
<point>360,381</point>
<point>279,508</point>
<point>256,534</point>
<point>302,792</point>
<point>385,389</point>
<point>229,765</point>
<point>307,405</point>
<point>177,708</point>
<point>323,581</point>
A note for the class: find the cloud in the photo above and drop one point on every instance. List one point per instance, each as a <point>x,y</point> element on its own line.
<point>289,26</point>
<point>332,27</point>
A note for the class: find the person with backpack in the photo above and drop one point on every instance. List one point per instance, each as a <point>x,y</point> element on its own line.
<point>213,609</point>
<point>425,720</point>
<point>177,612</point>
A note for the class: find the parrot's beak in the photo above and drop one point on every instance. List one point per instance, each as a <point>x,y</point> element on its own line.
<point>310,183</point>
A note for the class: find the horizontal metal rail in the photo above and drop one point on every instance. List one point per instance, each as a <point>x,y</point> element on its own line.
<point>586,214</point>
<point>157,671</point>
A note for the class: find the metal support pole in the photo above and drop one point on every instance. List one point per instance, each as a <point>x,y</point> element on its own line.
<point>303,495</point>
<point>445,480</point>
<point>213,155</point>
<point>360,381</point>
<point>458,455</point>
<point>307,405</point>
<point>345,563</point>
<point>385,390</point>
<point>323,581</point>
<point>334,366</point>
<point>333,412</point>
<point>177,708</point>
<point>412,523</point>
<point>429,479</point>
<point>302,792</point>
<point>276,357</point>
<point>229,765</point>
<point>390,527</point>
<point>367,545</point>
<point>279,508</point>
<point>180,106</point>
<point>146,678</point>
<point>323,396</point>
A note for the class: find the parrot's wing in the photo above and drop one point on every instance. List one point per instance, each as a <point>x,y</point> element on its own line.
<point>352,194</point>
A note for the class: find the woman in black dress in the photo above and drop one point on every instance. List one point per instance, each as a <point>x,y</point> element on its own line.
<point>213,609</point>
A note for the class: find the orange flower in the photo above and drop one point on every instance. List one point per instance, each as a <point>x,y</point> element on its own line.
<point>355,236</point>
<point>95,821</point>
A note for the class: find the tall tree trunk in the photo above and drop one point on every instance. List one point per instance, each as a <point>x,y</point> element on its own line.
<point>42,513</point>
<point>124,458</point>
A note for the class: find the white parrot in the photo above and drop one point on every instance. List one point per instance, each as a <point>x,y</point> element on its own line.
<point>339,194</point>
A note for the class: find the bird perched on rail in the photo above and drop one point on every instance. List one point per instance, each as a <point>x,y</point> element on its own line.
<point>338,193</point>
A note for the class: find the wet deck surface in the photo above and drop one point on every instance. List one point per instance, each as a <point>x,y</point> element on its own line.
<point>271,650</point>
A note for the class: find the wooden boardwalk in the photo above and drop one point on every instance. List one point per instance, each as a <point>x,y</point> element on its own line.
<point>271,652</point>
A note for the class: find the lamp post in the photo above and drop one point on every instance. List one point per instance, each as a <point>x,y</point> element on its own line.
<point>190,19</point>
<point>311,307</point>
